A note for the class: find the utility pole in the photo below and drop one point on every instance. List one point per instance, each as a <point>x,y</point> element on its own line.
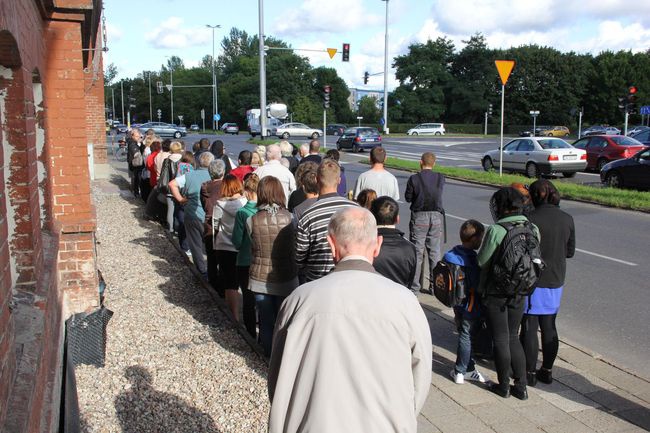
<point>122,90</point>
<point>386,73</point>
<point>150,106</point>
<point>215,123</point>
<point>262,71</point>
<point>113,101</point>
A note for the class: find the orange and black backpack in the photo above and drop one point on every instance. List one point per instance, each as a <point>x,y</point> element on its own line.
<point>448,284</point>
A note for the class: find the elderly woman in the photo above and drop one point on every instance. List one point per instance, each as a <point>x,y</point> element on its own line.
<point>210,194</point>
<point>175,155</point>
<point>273,269</point>
<point>558,243</point>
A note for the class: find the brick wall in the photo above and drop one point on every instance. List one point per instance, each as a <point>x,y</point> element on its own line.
<point>95,115</point>
<point>47,221</point>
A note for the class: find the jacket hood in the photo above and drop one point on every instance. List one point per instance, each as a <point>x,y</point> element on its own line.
<point>459,255</point>
<point>231,206</point>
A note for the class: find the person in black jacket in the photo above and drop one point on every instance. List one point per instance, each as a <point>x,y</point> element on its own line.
<point>134,145</point>
<point>218,150</point>
<point>558,243</point>
<point>396,259</point>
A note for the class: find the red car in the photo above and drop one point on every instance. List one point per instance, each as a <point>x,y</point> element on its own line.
<point>602,149</point>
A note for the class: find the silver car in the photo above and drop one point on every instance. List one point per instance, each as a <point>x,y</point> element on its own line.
<point>297,130</point>
<point>538,156</point>
<point>164,129</point>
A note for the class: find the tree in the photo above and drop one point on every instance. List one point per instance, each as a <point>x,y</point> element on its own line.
<point>340,110</point>
<point>368,109</point>
<point>110,72</point>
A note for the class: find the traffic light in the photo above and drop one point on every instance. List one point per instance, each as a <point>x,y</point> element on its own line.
<point>346,52</point>
<point>366,75</point>
<point>131,102</point>
<point>490,110</point>
<point>622,103</point>
<point>326,96</point>
<point>631,99</point>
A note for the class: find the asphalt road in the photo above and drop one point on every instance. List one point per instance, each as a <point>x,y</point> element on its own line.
<point>607,296</point>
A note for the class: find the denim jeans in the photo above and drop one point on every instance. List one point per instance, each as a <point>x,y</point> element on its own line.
<point>194,231</point>
<point>267,310</point>
<point>179,225</point>
<point>464,360</point>
<point>425,231</point>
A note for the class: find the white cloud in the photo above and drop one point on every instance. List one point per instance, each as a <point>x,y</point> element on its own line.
<point>113,33</point>
<point>614,36</point>
<point>313,17</point>
<point>171,33</point>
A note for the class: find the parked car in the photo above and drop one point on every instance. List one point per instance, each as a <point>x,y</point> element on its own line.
<point>538,131</point>
<point>643,137</point>
<point>230,128</point>
<point>427,129</point>
<point>629,172</point>
<point>194,127</point>
<point>602,149</point>
<point>359,138</point>
<point>335,129</point>
<point>121,128</point>
<point>556,131</point>
<point>296,130</point>
<point>538,156</point>
<point>164,129</point>
<point>612,130</point>
<point>593,130</point>
<point>637,129</point>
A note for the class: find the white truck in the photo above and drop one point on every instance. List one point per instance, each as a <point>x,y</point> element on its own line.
<point>275,116</point>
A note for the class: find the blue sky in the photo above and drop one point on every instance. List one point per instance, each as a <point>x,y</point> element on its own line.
<point>141,33</point>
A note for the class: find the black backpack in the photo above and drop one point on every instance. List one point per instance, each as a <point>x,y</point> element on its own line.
<point>448,283</point>
<point>517,263</point>
<point>167,174</point>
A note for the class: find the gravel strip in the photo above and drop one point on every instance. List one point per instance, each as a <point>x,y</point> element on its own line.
<point>174,362</point>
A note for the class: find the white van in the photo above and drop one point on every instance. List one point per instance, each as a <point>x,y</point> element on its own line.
<point>427,129</point>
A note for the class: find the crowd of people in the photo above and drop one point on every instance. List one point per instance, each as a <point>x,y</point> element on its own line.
<point>326,280</point>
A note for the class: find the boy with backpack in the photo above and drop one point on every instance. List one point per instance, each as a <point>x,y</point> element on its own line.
<point>464,274</point>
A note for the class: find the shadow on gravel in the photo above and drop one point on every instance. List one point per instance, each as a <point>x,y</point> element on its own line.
<point>192,297</point>
<point>141,408</point>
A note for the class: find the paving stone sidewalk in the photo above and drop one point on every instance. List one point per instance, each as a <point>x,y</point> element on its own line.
<point>191,362</point>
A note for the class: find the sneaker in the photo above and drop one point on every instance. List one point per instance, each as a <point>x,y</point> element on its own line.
<point>458,378</point>
<point>188,253</point>
<point>474,376</point>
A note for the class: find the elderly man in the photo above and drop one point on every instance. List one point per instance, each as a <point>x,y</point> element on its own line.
<point>274,168</point>
<point>313,254</point>
<point>304,150</point>
<point>190,183</point>
<point>351,351</point>
<point>314,149</point>
<point>287,153</point>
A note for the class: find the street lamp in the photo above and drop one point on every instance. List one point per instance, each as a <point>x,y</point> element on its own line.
<point>386,72</point>
<point>171,86</point>
<point>215,123</point>
<point>262,53</point>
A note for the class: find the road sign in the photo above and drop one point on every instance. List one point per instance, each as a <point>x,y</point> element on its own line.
<point>169,87</point>
<point>180,119</point>
<point>332,52</point>
<point>202,113</point>
<point>534,113</point>
<point>382,121</point>
<point>217,117</point>
<point>645,110</point>
<point>505,68</point>
<point>159,87</point>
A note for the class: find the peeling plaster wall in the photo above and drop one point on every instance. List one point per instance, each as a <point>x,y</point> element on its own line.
<point>6,77</point>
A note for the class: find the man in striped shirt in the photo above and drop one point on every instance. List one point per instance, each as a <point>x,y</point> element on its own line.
<point>313,253</point>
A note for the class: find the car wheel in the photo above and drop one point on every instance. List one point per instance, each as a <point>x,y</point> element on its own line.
<point>355,148</point>
<point>531,170</point>
<point>314,136</point>
<point>600,164</point>
<point>338,146</point>
<point>285,135</point>
<point>569,174</point>
<point>614,179</point>
<point>487,164</point>
<point>177,134</point>
<point>237,132</point>
<point>566,135</point>
<point>438,133</point>
<point>414,133</point>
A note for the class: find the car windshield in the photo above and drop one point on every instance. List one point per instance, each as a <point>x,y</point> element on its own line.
<point>351,131</point>
<point>554,144</point>
<point>626,141</point>
<point>368,131</point>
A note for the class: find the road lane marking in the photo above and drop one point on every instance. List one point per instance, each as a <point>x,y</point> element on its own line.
<point>601,256</point>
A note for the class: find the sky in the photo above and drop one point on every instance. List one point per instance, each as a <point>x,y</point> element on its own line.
<point>141,33</point>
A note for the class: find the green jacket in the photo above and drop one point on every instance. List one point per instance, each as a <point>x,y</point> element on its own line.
<point>493,237</point>
<point>240,237</point>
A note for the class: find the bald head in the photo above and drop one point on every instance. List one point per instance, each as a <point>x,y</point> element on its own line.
<point>273,152</point>
<point>352,231</point>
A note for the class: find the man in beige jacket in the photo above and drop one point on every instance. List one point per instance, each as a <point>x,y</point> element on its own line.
<point>352,350</point>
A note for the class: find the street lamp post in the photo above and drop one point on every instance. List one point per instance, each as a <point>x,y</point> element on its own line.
<point>122,98</point>
<point>386,73</point>
<point>262,70</point>
<point>215,123</point>
<point>171,86</point>
<point>150,105</point>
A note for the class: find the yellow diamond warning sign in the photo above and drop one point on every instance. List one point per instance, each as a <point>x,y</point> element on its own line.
<point>505,68</point>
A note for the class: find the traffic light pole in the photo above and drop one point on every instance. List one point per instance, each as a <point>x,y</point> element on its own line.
<point>503,99</point>
<point>324,128</point>
<point>486,116</point>
<point>627,117</point>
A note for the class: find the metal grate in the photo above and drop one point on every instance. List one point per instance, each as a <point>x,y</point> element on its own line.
<point>87,337</point>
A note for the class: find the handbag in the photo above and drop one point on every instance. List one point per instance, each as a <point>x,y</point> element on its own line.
<point>164,178</point>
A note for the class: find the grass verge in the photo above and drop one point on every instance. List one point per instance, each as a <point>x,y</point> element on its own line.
<point>619,198</point>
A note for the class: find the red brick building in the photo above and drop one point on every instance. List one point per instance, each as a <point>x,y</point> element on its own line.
<point>51,118</point>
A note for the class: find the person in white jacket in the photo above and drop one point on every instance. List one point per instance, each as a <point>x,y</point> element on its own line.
<point>352,350</point>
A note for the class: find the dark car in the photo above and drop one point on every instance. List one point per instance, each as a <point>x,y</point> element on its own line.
<point>121,128</point>
<point>602,149</point>
<point>643,137</point>
<point>630,172</point>
<point>538,132</point>
<point>358,139</point>
<point>335,129</point>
